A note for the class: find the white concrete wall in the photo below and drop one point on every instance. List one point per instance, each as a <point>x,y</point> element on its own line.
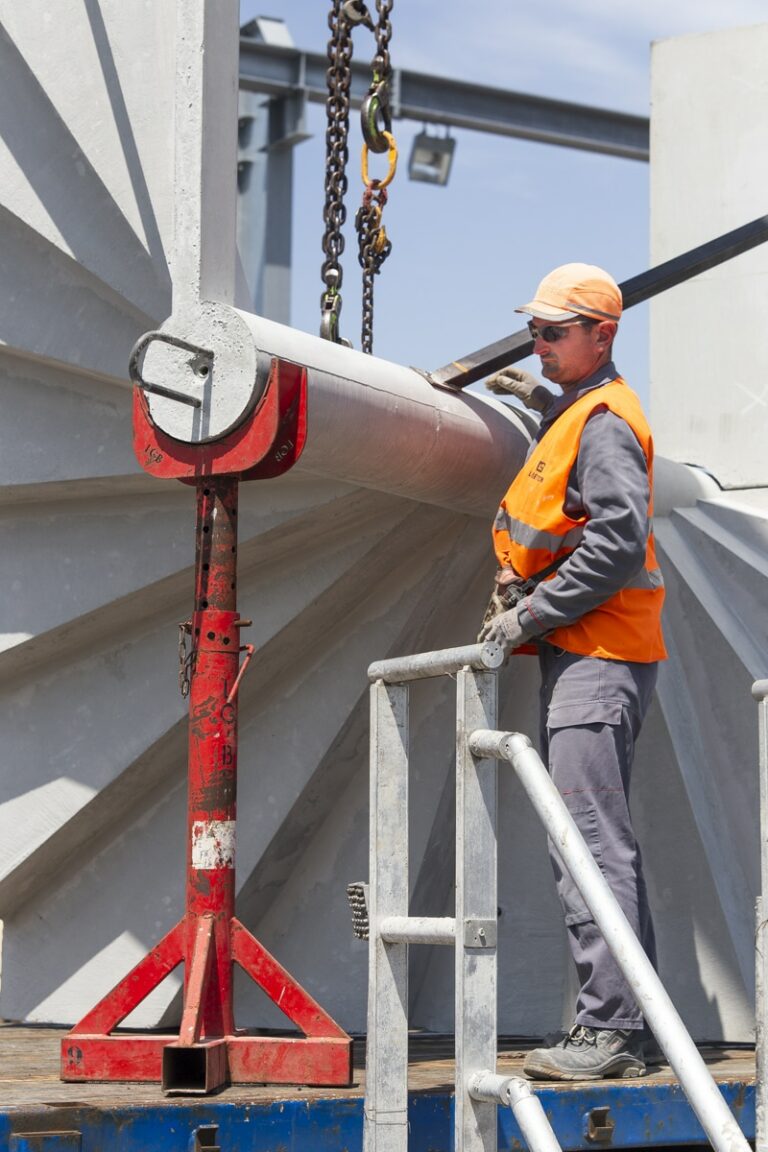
<point>709,406</point>
<point>709,173</point>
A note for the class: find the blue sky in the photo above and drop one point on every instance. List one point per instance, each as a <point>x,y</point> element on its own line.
<point>464,255</point>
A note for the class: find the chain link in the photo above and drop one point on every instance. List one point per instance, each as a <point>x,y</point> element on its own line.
<point>376,114</point>
<point>373,245</point>
<point>383,37</point>
<point>337,154</point>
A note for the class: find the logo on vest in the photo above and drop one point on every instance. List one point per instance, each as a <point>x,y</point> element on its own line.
<point>536,474</point>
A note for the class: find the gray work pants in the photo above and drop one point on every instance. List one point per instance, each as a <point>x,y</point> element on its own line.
<point>591,713</point>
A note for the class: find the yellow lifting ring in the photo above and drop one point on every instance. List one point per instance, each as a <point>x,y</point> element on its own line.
<point>391,158</point>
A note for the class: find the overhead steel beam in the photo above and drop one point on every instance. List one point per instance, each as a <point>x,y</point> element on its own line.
<point>493,357</point>
<point>279,71</point>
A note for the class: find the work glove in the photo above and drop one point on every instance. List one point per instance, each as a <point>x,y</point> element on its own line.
<point>505,630</point>
<point>501,600</point>
<point>516,382</point>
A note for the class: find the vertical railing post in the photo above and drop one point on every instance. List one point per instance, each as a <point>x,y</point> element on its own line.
<point>760,693</point>
<point>476,911</point>
<point>386,1102</point>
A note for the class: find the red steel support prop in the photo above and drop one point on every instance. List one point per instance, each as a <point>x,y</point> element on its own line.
<point>209,1052</point>
<point>213,744</point>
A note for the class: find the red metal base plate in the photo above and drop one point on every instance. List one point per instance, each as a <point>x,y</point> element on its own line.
<point>315,1060</point>
<point>94,1051</point>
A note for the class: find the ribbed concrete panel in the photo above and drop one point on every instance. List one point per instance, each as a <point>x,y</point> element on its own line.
<point>71,433</point>
<point>87,136</point>
<point>716,634</point>
<point>96,568</point>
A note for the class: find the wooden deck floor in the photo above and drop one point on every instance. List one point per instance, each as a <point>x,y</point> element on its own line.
<point>29,1073</point>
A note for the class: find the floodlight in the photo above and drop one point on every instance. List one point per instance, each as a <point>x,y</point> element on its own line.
<point>431,158</point>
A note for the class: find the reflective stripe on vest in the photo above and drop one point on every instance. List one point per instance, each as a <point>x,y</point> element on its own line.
<point>531,538</point>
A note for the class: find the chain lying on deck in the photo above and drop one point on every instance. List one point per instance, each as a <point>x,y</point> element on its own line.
<point>376,120</point>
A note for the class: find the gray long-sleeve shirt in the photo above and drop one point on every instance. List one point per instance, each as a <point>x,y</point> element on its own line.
<point>609,483</point>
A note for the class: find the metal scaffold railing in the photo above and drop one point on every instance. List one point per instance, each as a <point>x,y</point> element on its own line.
<point>473,929</point>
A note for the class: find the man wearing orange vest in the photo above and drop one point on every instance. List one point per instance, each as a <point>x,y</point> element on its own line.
<point>584,498</point>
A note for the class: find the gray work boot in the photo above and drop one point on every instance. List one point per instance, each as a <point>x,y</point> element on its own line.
<point>588,1054</point>
<point>651,1049</point>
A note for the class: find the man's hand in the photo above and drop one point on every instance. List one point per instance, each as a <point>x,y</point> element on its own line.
<point>516,382</point>
<point>505,631</point>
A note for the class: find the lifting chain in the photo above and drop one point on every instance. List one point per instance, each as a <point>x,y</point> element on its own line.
<point>374,247</point>
<point>337,155</point>
<point>375,114</point>
<point>376,121</point>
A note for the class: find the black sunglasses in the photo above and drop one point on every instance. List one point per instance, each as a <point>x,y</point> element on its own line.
<point>551,333</point>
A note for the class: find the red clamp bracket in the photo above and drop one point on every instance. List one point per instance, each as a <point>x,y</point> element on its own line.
<point>268,442</point>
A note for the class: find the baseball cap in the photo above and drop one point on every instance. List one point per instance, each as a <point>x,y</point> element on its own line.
<point>576,290</point>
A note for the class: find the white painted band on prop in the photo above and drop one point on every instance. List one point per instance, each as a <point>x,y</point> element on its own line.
<point>213,844</point>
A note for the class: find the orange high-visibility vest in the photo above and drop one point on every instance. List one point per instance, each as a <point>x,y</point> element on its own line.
<point>532,529</point>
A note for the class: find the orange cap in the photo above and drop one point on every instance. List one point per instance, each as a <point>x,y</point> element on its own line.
<point>576,290</point>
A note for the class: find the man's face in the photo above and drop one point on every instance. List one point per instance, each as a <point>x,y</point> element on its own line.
<point>580,350</point>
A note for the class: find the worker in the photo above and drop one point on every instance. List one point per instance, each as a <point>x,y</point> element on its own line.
<point>584,498</point>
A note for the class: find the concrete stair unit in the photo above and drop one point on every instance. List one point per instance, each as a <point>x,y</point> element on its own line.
<point>339,565</point>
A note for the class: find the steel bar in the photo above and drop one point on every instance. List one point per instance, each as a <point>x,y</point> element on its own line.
<point>517,1094</point>
<point>171,394</point>
<point>476,909</point>
<point>289,1060</point>
<point>282,72</point>
<point>113,1008</point>
<point>705,1098</point>
<point>760,693</point>
<point>418,929</point>
<point>283,990</point>
<point>446,662</point>
<point>200,966</point>
<point>493,357</point>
